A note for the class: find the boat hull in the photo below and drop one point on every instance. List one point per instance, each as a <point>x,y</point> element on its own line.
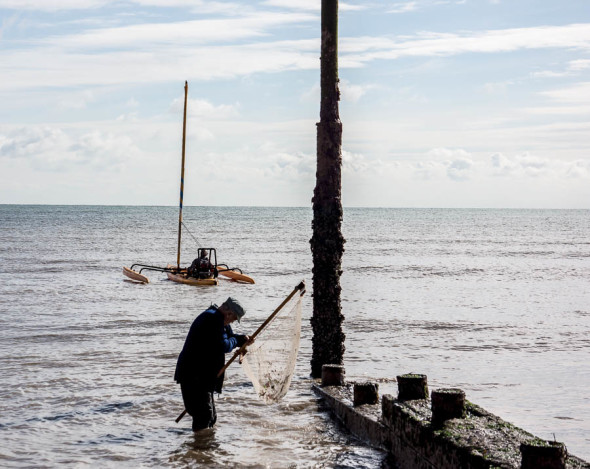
<point>237,276</point>
<point>135,276</point>
<point>180,278</point>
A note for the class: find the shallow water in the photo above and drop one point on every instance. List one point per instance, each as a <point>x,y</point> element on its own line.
<point>493,301</point>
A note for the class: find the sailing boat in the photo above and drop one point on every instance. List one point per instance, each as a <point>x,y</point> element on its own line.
<point>204,270</point>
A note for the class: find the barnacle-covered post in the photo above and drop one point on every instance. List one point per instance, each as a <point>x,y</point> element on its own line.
<point>327,242</point>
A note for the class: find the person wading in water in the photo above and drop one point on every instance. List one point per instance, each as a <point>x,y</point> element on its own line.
<point>210,337</point>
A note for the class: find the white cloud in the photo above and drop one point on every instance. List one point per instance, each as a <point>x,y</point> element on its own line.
<point>7,23</point>
<point>460,169</point>
<point>447,153</point>
<point>525,165</point>
<point>577,93</point>
<point>132,103</point>
<point>77,100</point>
<point>573,100</point>
<point>549,74</point>
<point>312,94</point>
<point>502,164</point>
<point>48,148</point>
<point>458,166</point>
<point>438,164</point>
<point>578,65</point>
<point>363,49</point>
<point>205,109</point>
<point>455,162</point>
<point>265,166</point>
<point>311,5</point>
<point>79,75</point>
<point>30,142</point>
<point>202,134</point>
<point>403,7</point>
<point>498,87</point>
<point>425,170</point>
<point>177,34</point>
<point>52,5</point>
<point>60,5</point>
<point>54,66</point>
<point>128,117</point>
<point>354,163</point>
<point>415,5</point>
<point>579,169</point>
<point>202,6</point>
<point>559,110</point>
<point>353,93</point>
<point>161,52</point>
<point>573,67</point>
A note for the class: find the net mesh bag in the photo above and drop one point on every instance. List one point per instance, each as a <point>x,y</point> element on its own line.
<point>270,360</point>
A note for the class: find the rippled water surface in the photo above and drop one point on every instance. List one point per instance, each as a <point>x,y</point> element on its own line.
<point>496,302</point>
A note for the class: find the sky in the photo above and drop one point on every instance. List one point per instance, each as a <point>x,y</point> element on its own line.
<point>445,103</point>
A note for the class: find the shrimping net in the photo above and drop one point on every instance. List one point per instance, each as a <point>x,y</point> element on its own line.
<point>270,360</point>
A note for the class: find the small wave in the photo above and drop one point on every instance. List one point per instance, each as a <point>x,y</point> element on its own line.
<point>487,347</point>
<point>63,337</point>
<point>108,408</point>
<point>460,326</point>
<point>143,324</point>
<point>115,439</point>
<point>105,409</point>
<point>414,271</point>
<point>54,418</point>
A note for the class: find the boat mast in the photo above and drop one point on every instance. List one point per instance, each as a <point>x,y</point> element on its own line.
<point>182,175</point>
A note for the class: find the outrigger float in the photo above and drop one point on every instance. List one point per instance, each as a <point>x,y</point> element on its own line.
<point>204,270</point>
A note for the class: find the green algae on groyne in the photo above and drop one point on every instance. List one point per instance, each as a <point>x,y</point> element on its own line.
<point>477,440</point>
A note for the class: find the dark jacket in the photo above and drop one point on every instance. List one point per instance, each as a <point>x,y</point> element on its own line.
<point>203,354</point>
<point>201,268</point>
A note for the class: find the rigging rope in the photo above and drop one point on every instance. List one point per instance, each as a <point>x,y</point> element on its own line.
<point>192,235</point>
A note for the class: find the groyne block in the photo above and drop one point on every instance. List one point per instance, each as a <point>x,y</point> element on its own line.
<point>412,386</point>
<point>543,454</point>
<point>333,375</point>
<point>448,403</point>
<point>363,421</point>
<point>365,393</point>
<point>454,444</point>
<point>478,440</point>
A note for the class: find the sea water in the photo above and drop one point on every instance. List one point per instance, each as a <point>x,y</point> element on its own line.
<point>496,302</point>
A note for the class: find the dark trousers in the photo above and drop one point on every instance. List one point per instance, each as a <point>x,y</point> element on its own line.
<point>199,403</point>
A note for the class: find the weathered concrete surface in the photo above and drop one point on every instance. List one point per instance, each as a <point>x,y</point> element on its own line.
<point>478,441</point>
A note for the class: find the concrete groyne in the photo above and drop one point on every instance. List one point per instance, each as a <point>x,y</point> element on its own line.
<point>440,431</point>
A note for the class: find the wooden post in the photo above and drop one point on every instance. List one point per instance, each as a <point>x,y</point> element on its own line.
<point>447,404</point>
<point>412,386</point>
<point>542,454</point>
<point>387,403</point>
<point>333,375</point>
<point>327,242</point>
<point>365,393</point>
